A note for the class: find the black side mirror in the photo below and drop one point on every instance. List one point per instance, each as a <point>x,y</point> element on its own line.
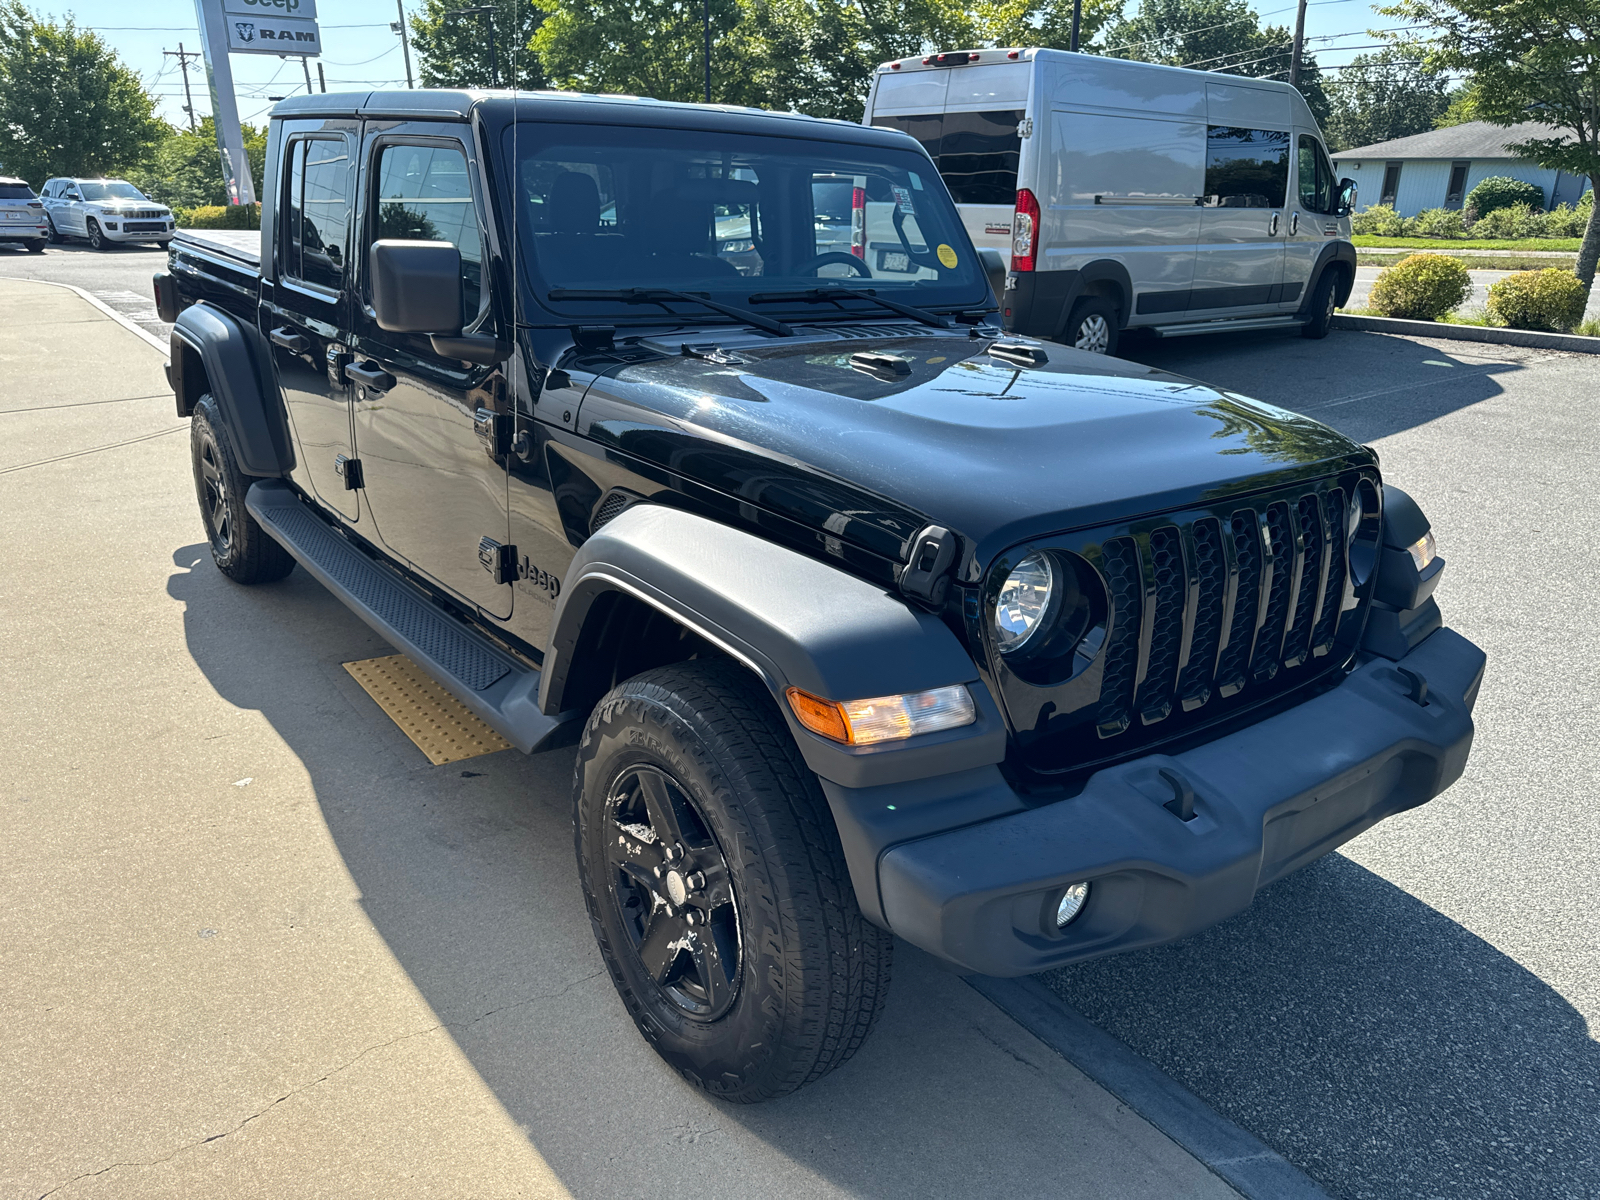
<point>1347,197</point>
<point>416,286</point>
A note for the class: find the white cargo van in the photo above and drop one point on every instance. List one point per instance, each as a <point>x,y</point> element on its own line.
<point>1122,194</point>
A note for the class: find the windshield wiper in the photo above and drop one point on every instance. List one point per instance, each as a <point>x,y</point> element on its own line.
<point>827,295</point>
<point>641,295</point>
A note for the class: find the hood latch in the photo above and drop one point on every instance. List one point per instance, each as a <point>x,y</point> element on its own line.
<point>927,575</point>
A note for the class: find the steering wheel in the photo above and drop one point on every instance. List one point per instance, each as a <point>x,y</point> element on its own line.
<point>835,256</point>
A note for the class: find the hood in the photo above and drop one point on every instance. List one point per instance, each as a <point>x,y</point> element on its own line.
<point>995,451</point>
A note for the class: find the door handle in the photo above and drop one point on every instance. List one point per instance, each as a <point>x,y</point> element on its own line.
<point>1294,224</point>
<point>369,375</point>
<point>294,343</point>
<point>1272,229</point>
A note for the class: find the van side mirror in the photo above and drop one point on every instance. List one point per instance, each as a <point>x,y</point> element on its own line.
<point>416,286</point>
<point>1347,197</point>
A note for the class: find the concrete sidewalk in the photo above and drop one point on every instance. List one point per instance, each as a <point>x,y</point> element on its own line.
<point>253,944</point>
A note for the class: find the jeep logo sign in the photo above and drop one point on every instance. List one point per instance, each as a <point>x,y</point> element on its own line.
<point>305,10</point>
<point>266,34</point>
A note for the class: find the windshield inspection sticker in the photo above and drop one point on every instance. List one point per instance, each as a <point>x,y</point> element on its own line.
<point>903,196</point>
<point>946,255</point>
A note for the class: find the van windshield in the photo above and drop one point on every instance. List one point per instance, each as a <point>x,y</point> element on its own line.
<point>976,152</point>
<point>602,208</point>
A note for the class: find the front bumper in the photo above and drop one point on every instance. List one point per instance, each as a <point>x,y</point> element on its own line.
<point>1268,799</point>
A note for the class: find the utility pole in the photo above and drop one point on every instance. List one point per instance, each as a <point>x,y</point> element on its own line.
<point>183,56</point>
<point>306,63</point>
<point>1299,44</point>
<point>487,10</point>
<point>1077,20</point>
<point>405,44</point>
<point>707,14</point>
<point>321,78</point>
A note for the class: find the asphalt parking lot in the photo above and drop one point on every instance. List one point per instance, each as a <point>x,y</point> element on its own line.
<point>1416,1016</point>
<point>326,954</point>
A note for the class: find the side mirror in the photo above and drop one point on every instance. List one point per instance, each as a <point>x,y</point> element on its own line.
<point>416,286</point>
<point>1347,196</point>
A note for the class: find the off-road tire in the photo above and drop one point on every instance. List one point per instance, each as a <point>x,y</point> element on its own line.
<point>241,549</point>
<point>1319,309</point>
<point>813,973</point>
<point>1092,326</point>
<point>97,237</point>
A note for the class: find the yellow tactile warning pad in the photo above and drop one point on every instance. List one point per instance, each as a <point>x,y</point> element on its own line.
<point>442,727</point>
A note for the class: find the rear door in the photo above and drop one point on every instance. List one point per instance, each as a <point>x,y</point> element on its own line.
<point>434,490</point>
<point>1238,266</point>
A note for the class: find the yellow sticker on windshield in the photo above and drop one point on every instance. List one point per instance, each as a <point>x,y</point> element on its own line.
<point>946,255</point>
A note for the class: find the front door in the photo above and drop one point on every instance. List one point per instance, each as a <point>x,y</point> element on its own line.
<point>1311,219</point>
<point>434,489</point>
<point>307,305</point>
<point>1238,266</point>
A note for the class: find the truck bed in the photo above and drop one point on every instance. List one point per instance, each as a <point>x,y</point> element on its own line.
<point>243,246</point>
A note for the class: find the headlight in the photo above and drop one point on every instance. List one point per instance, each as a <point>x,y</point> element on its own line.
<point>1423,551</point>
<point>1024,602</point>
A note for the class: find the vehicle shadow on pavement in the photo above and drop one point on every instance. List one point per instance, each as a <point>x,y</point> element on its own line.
<point>1372,1041</point>
<point>1365,385</point>
<point>467,873</point>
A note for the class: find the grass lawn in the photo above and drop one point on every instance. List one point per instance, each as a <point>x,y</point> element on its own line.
<point>1473,262</point>
<point>1451,244</point>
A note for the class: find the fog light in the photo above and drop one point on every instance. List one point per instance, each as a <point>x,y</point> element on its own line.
<point>1072,902</point>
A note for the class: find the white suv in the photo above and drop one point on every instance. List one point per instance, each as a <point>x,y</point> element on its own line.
<point>105,212</point>
<point>21,215</point>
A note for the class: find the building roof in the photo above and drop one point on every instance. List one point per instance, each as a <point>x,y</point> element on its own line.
<point>1475,139</point>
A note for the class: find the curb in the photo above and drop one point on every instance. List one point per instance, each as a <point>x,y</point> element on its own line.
<point>1470,333</point>
<point>131,326</point>
<point>1241,1159</point>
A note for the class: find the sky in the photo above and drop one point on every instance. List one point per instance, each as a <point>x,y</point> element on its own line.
<point>360,51</point>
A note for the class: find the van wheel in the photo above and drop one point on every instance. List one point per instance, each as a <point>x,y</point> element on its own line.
<point>1321,307</point>
<point>717,887</point>
<point>241,549</point>
<point>1093,326</point>
<point>97,237</point>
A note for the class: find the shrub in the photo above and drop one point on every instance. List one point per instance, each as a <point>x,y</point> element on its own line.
<point>1423,287</point>
<point>1379,220</point>
<point>1436,223</point>
<point>1501,191</point>
<point>1551,300</point>
<point>1518,221</point>
<point>1566,221</point>
<point>219,216</point>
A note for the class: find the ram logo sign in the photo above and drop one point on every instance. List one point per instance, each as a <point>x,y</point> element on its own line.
<point>267,33</point>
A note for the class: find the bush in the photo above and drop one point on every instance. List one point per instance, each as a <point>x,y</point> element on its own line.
<point>1501,191</point>
<point>1566,221</point>
<point>1380,220</point>
<point>1436,223</point>
<point>1551,300</point>
<point>219,216</point>
<point>1423,287</point>
<point>1518,221</point>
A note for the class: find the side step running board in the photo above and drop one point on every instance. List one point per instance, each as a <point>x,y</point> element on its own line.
<point>1234,325</point>
<point>500,690</point>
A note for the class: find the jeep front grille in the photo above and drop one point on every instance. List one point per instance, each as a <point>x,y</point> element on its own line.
<point>1204,612</point>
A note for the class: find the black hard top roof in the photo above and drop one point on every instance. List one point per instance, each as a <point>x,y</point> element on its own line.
<point>502,106</point>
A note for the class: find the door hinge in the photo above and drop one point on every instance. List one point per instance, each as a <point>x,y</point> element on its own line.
<point>349,469</point>
<point>926,576</point>
<point>494,430</point>
<point>500,561</point>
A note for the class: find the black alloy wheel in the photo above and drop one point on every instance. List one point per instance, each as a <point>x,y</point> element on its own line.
<point>670,882</point>
<point>212,485</point>
<point>97,238</point>
<point>242,550</point>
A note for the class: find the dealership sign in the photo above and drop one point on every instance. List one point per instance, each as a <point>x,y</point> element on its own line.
<point>272,26</point>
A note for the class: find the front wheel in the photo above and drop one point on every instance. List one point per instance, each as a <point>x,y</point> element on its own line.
<point>717,887</point>
<point>1093,326</point>
<point>52,236</point>
<point>1321,308</point>
<point>97,237</point>
<point>242,550</point>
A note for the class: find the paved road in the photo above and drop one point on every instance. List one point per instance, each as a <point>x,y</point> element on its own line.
<point>1482,281</point>
<point>1416,1016</point>
<point>119,278</point>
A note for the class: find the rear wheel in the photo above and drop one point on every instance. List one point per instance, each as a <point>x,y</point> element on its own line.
<point>241,549</point>
<point>1093,326</point>
<point>717,887</point>
<point>97,237</point>
<point>36,246</point>
<point>1321,307</point>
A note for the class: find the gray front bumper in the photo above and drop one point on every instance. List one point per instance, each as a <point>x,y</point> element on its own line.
<point>1269,799</point>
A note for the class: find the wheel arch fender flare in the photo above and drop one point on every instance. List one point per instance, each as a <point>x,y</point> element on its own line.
<point>793,621</point>
<point>214,352</point>
<point>1338,252</point>
<point>1091,280</point>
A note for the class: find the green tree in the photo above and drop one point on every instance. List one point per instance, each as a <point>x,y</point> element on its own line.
<point>453,51</point>
<point>1213,35</point>
<point>185,169</point>
<point>1530,60</point>
<point>1390,94</point>
<point>67,104</point>
<point>1462,107</point>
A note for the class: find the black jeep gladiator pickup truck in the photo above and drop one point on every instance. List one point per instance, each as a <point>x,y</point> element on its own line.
<point>683,434</point>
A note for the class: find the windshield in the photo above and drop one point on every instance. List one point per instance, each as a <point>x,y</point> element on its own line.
<point>603,208</point>
<point>113,189</point>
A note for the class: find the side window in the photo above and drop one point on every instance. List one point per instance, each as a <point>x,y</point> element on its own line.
<point>317,208</point>
<point>1246,168</point>
<point>1315,177</point>
<point>425,194</point>
<point>1327,181</point>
